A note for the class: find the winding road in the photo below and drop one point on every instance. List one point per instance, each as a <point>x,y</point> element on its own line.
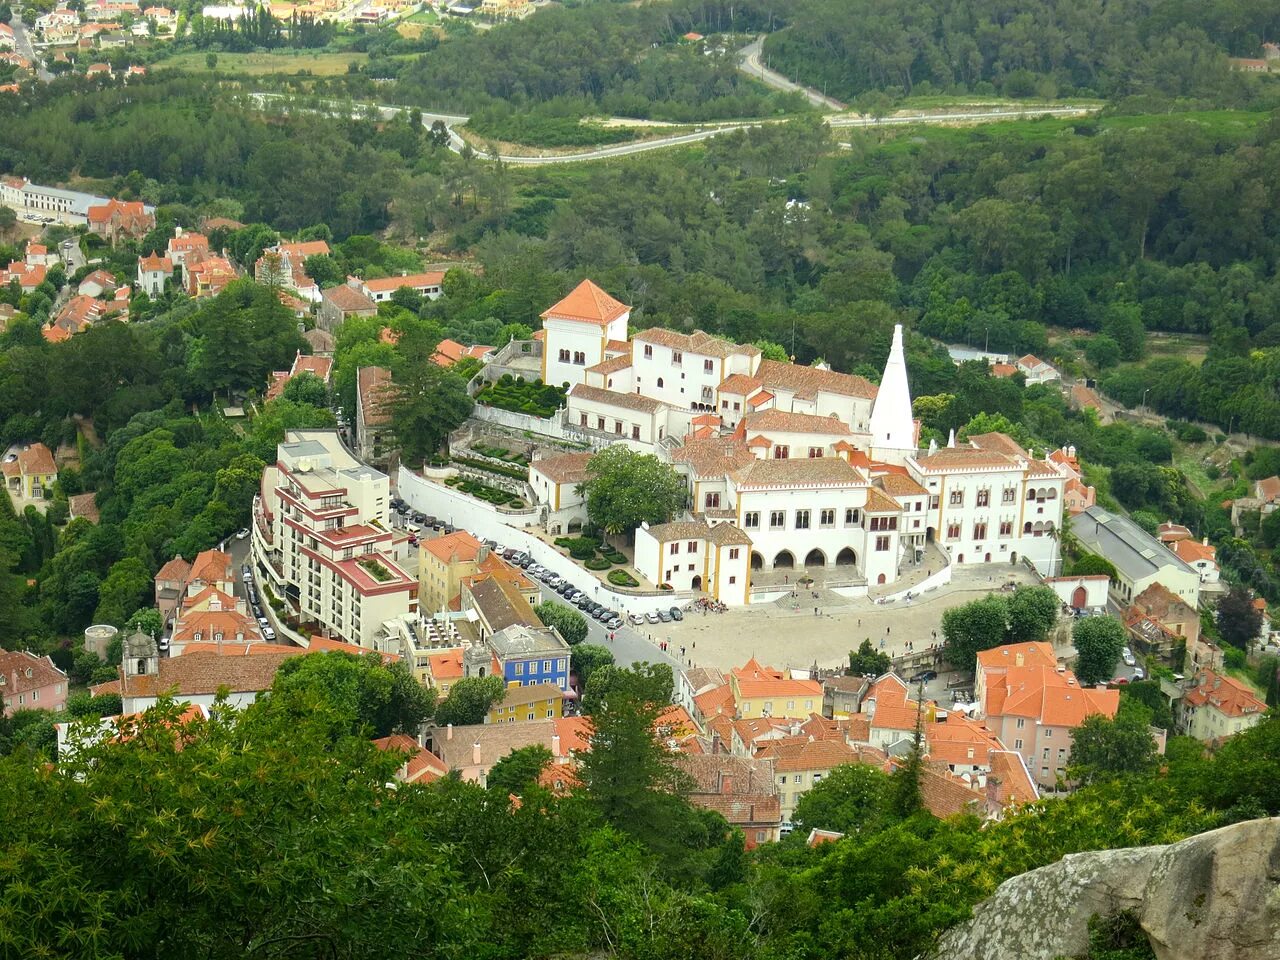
<point>25,48</point>
<point>749,62</point>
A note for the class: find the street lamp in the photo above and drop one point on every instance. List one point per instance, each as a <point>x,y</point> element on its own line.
<point>1143,405</point>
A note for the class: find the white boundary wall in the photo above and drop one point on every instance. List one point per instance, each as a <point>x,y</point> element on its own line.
<point>484,520</point>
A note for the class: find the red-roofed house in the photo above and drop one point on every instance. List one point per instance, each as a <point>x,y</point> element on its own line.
<point>420,765</point>
<point>577,330</point>
<point>428,284</point>
<point>302,363</point>
<point>186,249</point>
<point>373,388</point>
<point>31,476</point>
<point>27,275</point>
<point>449,352</point>
<point>119,219</point>
<point>1032,704</point>
<point>1201,556</point>
<point>742,791</point>
<point>154,272</point>
<point>284,265</point>
<point>1035,369</point>
<point>29,682</point>
<point>1218,706</point>
<point>209,277</point>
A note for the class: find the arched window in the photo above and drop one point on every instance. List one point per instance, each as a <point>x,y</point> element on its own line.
<point>659,381</point>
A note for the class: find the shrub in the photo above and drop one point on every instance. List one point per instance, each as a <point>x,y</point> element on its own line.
<point>597,563</point>
<point>665,586</point>
<point>620,578</point>
<point>614,557</point>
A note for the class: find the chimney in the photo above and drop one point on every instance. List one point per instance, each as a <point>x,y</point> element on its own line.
<point>483,553</point>
<point>177,232</point>
<point>475,753</point>
<point>1205,541</point>
<point>993,792</point>
<point>449,732</point>
<point>555,745</point>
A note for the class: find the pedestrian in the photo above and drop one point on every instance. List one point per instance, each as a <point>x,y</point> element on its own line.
<point>695,645</point>
<point>786,578</point>
<point>815,611</point>
<point>682,651</point>
<point>859,621</point>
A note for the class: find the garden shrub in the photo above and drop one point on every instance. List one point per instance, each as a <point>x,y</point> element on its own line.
<point>620,578</point>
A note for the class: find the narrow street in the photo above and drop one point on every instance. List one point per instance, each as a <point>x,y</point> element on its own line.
<point>25,47</point>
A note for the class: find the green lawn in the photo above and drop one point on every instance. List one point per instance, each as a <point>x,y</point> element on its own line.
<point>263,64</point>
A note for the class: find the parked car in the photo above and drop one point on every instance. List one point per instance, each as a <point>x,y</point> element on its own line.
<point>246,574</point>
<point>509,552</point>
<point>1138,674</point>
<point>268,633</point>
<point>635,620</point>
<point>651,618</point>
<point>676,614</point>
<point>613,623</point>
<point>242,534</point>
<point>1127,656</point>
<point>924,676</point>
<point>1119,681</point>
<point>263,622</point>
<point>664,616</point>
<point>582,601</point>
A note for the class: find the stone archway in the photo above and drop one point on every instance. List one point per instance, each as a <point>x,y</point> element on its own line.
<point>757,561</point>
<point>846,558</point>
<point>697,583</point>
<point>815,558</point>
<point>785,560</point>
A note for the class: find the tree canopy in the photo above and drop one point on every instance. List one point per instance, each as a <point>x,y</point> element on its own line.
<point>624,489</point>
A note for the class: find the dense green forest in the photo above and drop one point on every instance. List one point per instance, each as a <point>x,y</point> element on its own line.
<point>1044,48</point>
<point>279,832</point>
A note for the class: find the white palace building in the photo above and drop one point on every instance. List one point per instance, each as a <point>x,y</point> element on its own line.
<point>789,467</point>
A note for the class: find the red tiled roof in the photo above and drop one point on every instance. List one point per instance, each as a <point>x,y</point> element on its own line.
<point>589,303</point>
<point>373,383</point>
<point>1225,694</point>
<point>414,280</point>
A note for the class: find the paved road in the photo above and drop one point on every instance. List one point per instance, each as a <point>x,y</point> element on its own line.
<point>25,48</point>
<point>749,62</point>
<point>630,644</point>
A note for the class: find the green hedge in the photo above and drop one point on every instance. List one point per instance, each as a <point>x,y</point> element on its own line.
<point>614,557</point>
<point>511,472</point>
<point>620,578</point>
<point>536,399</point>
<point>597,563</point>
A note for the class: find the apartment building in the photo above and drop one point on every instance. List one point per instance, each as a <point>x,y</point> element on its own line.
<point>322,538</point>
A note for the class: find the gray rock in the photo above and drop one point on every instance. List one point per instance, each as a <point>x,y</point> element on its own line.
<point>1215,896</point>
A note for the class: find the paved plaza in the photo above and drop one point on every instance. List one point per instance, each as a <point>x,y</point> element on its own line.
<point>789,634</point>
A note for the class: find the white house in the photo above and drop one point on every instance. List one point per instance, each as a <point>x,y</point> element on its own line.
<point>1035,369</point>
<point>153,273</point>
<point>631,418</point>
<point>1085,592</point>
<point>578,332</point>
<point>685,370</point>
<point>992,502</point>
<point>429,284</point>
<point>779,435</point>
<point>555,481</point>
<point>692,555</point>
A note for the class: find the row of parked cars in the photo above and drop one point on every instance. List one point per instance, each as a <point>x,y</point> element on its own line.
<point>415,521</point>
<point>264,625</point>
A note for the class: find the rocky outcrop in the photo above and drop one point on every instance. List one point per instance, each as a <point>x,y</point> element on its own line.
<point>1215,896</point>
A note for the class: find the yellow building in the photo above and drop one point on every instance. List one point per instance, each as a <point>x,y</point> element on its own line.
<point>540,701</point>
<point>760,691</point>
<point>32,474</point>
<point>447,563</point>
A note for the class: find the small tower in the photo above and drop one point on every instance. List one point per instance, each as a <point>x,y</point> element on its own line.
<point>893,428</point>
<point>141,655</point>
<point>476,661</point>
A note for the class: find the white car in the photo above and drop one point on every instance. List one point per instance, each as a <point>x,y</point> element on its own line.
<point>268,633</point>
<point>1127,656</point>
<point>242,534</point>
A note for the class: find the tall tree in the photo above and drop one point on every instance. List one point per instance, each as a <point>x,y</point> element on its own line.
<point>382,699</point>
<point>518,771</point>
<point>427,402</point>
<point>1098,642</point>
<point>1239,621</point>
<point>624,489</point>
<point>468,700</point>
<point>1103,747</point>
<point>569,623</point>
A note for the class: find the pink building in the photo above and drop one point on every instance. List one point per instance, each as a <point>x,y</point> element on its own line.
<point>1032,704</point>
<point>30,682</point>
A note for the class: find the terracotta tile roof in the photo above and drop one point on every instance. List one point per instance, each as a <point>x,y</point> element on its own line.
<point>211,566</point>
<point>1030,360</point>
<point>559,778</point>
<point>36,460</point>
<point>880,502</point>
<point>1160,602</point>
<point>1085,398</point>
<point>176,570</point>
<point>739,384</point>
<point>614,398</point>
<point>713,457</point>
<point>769,689</point>
<point>1170,532</point>
<point>522,695</point>
<point>303,249</point>
<point>716,702</point>
<point>816,472</point>
<point>1269,489</point>
<point>372,386</point>
<point>753,669</point>
<point>234,626</point>
<point>589,303</point>
<point>204,673</point>
<point>1014,785</point>
<point>460,547</point>
<point>802,753</point>
<point>900,485</point>
<point>565,468</point>
<point>1225,694</point>
<point>966,458</point>
<point>999,442</point>
<point>14,666</point>
<point>156,262</point>
<point>945,796</point>
<point>612,365</point>
<point>502,605</point>
<point>493,741</point>
<point>1032,654</point>
<point>422,765</point>
<point>701,678</point>
<point>320,341</point>
<point>84,505</point>
<point>780,420</point>
<point>1003,370</point>
<point>391,284</point>
<point>807,382</point>
<point>759,399</point>
<point>348,299</point>
<point>758,442</point>
<point>574,733</point>
<point>1193,551</point>
<point>698,343</point>
<point>743,791</point>
<point>959,741</point>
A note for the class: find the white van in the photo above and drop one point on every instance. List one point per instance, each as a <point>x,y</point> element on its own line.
<point>414,529</point>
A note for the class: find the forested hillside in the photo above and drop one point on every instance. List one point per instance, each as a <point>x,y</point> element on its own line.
<point>1047,48</point>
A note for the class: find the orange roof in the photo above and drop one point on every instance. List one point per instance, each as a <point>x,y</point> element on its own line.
<point>1269,488</point>
<point>1003,370</point>
<point>211,565</point>
<point>303,249</point>
<point>414,280</point>
<point>588,303</point>
<point>1225,694</point>
<point>37,460</point>
<point>959,741</point>
<point>459,547</point>
<point>325,645</point>
<point>574,734</point>
<point>1038,652</point>
<point>244,649</point>
<point>156,262</point>
<point>448,352</point>
<point>760,399</point>
<point>445,666</point>
<point>1013,780</point>
<point>1193,551</point>
<point>717,701</point>
<point>422,765</point>
<point>739,384</point>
